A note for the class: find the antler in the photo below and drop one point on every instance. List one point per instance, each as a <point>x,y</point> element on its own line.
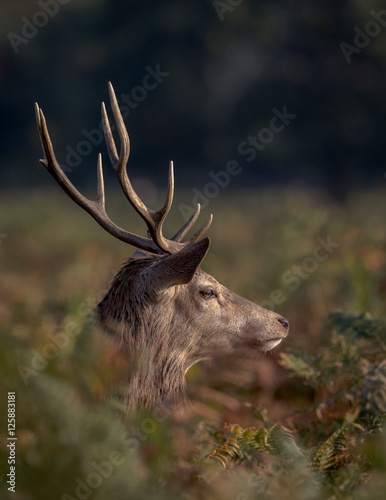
<point>154,219</point>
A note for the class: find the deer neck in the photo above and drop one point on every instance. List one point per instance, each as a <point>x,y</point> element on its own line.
<point>157,383</point>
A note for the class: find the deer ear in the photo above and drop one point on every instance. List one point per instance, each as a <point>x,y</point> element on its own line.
<point>178,268</point>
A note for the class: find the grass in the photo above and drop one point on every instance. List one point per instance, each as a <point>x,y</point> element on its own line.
<point>56,264</point>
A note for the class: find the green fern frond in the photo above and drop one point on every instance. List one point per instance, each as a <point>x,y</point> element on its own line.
<point>337,450</point>
<point>281,443</point>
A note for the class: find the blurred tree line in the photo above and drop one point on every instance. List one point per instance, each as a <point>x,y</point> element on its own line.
<point>224,65</point>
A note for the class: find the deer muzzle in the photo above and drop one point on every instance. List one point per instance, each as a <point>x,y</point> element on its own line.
<point>265,331</point>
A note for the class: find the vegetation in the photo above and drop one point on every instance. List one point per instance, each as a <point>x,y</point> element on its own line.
<point>307,421</point>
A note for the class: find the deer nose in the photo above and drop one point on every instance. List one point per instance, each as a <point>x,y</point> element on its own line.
<point>284,322</point>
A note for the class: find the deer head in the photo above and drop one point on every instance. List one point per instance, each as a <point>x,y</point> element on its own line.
<point>161,305</point>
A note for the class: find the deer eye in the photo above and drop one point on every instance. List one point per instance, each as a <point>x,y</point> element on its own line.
<point>207,294</point>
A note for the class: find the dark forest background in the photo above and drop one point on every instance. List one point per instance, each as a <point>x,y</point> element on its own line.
<point>230,64</point>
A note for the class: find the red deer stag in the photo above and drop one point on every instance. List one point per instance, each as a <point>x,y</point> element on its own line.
<point>161,305</point>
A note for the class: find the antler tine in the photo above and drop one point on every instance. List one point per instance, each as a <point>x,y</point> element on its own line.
<point>119,162</point>
<point>51,164</point>
<point>201,231</point>
<point>111,148</point>
<point>95,208</point>
<point>160,215</point>
<point>185,228</point>
<point>100,184</point>
<point>153,219</point>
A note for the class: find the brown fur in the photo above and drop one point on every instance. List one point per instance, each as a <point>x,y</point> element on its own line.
<point>157,311</point>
